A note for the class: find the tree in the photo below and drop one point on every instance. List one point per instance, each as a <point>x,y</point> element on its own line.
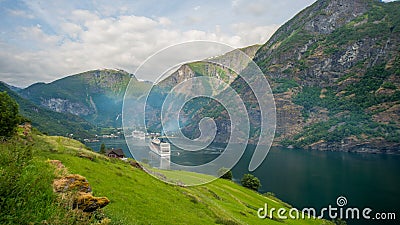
<point>225,173</point>
<point>250,181</point>
<point>102,148</point>
<point>9,117</point>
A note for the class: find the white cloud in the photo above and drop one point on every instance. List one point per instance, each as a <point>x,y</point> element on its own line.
<point>164,21</point>
<point>123,42</point>
<point>36,34</point>
<point>254,34</point>
<point>71,29</point>
<point>80,15</point>
<point>21,13</point>
<point>76,36</point>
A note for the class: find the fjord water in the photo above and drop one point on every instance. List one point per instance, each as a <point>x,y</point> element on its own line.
<point>316,179</point>
<point>313,178</point>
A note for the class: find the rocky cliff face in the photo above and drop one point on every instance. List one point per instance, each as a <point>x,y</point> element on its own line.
<point>324,41</point>
<point>66,106</point>
<point>333,63</point>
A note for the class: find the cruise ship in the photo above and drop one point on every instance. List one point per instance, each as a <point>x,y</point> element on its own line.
<point>162,149</point>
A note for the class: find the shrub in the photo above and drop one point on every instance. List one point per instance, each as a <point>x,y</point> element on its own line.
<point>225,173</point>
<point>250,181</point>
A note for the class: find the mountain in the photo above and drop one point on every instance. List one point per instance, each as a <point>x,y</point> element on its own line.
<point>48,121</point>
<point>219,67</point>
<point>225,67</point>
<point>12,88</point>
<point>335,69</point>
<point>95,96</point>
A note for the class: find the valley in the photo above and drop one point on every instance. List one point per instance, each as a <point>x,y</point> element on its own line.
<point>333,101</point>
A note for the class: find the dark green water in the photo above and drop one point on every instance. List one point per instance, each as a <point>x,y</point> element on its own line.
<point>316,179</point>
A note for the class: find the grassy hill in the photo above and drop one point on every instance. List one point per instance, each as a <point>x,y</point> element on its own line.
<point>136,197</point>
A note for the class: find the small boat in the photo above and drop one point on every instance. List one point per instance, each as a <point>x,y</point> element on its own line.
<point>160,148</point>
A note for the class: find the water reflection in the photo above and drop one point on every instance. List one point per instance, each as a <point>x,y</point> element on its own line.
<point>160,162</point>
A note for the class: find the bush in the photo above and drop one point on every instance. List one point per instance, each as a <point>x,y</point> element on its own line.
<point>9,118</point>
<point>250,181</point>
<point>225,173</point>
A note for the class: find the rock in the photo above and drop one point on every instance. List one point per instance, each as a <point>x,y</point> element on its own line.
<point>66,106</point>
<point>77,191</point>
<point>88,203</point>
<point>86,156</point>
<point>136,165</point>
<point>57,164</point>
<point>72,182</point>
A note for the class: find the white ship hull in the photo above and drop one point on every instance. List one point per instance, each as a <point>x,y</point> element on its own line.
<point>160,148</point>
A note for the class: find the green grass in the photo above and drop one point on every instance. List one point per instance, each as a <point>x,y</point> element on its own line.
<point>136,197</point>
<point>26,193</point>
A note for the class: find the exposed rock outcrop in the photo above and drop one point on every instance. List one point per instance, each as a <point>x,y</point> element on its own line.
<point>76,188</point>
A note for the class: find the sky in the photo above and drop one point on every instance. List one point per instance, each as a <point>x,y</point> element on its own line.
<point>42,41</point>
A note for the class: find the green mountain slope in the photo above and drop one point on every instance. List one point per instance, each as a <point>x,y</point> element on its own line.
<point>138,198</point>
<point>335,70</point>
<point>48,121</point>
<point>222,70</point>
<point>94,95</point>
<point>225,68</point>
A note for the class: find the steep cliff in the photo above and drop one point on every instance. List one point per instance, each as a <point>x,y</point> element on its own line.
<point>334,69</point>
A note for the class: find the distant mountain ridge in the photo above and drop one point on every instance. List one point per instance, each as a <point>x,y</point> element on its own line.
<point>51,122</point>
<point>93,95</point>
